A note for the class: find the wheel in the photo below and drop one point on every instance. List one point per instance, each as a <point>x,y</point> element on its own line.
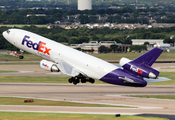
<point>91,80</point>
<point>70,80</point>
<point>74,82</point>
<point>83,80</point>
<point>77,80</point>
<point>21,57</point>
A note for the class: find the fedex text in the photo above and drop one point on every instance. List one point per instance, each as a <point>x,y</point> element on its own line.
<point>40,46</point>
<point>135,69</point>
<point>45,65</point>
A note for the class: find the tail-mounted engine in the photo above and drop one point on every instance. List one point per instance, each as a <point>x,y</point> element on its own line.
<point>49,66</point>
<point>142,70</point>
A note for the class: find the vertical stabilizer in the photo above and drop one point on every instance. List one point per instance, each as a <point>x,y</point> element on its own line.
<point>148,58</point>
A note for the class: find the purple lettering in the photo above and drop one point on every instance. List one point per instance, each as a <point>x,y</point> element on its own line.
<point>24,39</point>
<point>40,46</point>
<point>29,44</point>
<point>36,46</point>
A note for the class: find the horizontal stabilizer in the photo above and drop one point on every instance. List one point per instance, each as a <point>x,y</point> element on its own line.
<point>159,79</point>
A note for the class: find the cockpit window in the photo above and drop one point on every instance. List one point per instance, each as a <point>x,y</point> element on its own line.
<point>8,31</point>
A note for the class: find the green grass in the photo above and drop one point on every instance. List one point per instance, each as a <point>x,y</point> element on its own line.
<point>38,79</point>
<point>3,71</point>
<point>109,56</point>
<point>27,57</point>
<point>155,96</point>
<point>64,79</point>
<point>20,101</point>
<point>118,56</point>
<point>60,116</point>
<point>35,79</point>
<point>168,68</point>
<point>25,63</point>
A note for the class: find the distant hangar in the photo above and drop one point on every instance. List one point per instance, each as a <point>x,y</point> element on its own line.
<point>151,41</point>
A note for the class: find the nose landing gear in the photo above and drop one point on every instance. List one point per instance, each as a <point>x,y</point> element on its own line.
<point>21,55</point>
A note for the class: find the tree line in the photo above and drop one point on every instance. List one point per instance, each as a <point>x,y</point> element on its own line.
<point>52,15</point>
<point>122,15</point>
<point>80,35</point>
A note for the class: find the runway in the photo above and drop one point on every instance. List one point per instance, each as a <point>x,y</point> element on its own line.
<point>86,93</point>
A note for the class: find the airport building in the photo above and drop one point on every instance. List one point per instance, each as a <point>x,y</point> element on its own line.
<point>93,46</point>
<point>84,4</point>
<point>151,41</point>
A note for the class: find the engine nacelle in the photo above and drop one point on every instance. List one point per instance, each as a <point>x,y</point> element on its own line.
<point>49,66</point>
<point>142,70</point>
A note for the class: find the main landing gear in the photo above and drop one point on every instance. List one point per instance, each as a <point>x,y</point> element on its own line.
<point>76,80</point>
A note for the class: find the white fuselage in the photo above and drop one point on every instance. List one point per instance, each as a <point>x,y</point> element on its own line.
<point>91,66</point>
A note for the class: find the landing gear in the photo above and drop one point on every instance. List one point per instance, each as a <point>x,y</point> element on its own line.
<point>76,80</point>
<point>70,80</point>
<point>83,81</point>
<point>91,80</point>
<point>21,56</point>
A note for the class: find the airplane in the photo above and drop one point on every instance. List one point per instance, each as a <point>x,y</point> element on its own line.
<point>82,67</point>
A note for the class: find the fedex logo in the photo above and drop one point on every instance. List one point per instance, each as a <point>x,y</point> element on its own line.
<point>40,46</point>
<point>45,65</point>
<point>135,69</point>
<point>139,71</point>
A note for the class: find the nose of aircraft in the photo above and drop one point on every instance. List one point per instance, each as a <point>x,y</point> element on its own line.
<point>4,34</point>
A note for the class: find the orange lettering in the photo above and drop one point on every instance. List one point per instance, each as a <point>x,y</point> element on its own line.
<point>41,46</point>
<point>139,71</point>
<point>47,51</point>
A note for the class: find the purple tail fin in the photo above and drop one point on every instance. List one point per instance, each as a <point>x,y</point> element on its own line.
<point>148,58</point>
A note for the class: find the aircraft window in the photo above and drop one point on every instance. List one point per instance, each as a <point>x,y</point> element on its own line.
<point>8,31</point>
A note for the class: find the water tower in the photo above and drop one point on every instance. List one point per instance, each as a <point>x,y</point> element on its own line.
<point>84,4</point>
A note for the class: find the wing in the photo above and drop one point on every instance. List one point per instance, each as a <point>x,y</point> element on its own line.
<point>118,66</point>
<point>68,69</point>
